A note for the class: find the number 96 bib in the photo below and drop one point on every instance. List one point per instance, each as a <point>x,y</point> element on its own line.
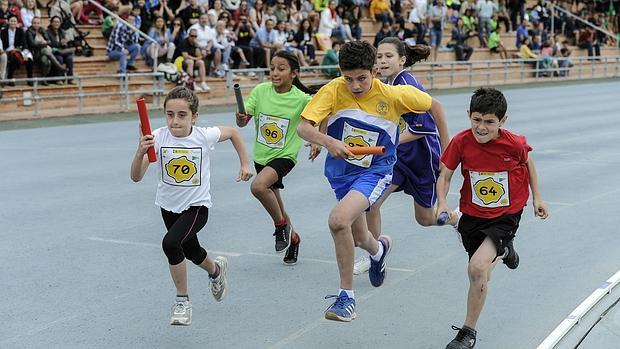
<point>181,166</point>
<point>272,131</point>
<point>489,189</point>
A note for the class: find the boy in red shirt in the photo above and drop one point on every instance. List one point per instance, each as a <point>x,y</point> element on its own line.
<point>497,172</point>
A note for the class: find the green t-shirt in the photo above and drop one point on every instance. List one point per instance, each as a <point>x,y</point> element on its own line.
<point>493,40</point>
<point>276,116</point>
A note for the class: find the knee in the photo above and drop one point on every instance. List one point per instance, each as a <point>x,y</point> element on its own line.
<point>173,250</point>
<point>337,222</point>
<point>258,188</point>
<point>478,270</point>
<point>197,257</point>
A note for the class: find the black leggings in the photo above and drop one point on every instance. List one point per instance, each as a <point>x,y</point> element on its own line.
<point>181,240</point>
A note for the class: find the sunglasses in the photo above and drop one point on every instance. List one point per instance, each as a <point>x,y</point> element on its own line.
<point>193,36</point>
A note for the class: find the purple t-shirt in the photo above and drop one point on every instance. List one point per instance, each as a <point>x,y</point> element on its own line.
<point>417,123</point>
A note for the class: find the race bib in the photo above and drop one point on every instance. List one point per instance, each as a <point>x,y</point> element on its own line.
<point>357,137</point>
<point>181,166</point>
<point>272,131</point>
<point>402,125</point>
<point>489,189</point>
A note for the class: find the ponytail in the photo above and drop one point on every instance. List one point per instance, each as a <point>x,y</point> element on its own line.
<point>294,64</point>
<point>414,53</point>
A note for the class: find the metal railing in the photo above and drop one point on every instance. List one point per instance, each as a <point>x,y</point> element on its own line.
<point>555,7</point>
<point>122,81</point>
<point>457,74</point>
<point>133,28</point>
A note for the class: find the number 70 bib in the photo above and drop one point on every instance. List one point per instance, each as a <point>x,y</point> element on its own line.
<point>181,166</point>
<point>489,189</point>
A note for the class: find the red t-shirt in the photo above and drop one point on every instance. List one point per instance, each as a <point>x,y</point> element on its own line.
<point>496,180</point>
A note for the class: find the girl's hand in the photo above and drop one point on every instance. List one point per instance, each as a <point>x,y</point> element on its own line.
<point>145,143</point>
<point>242,118</point>
<point>540,209</point>
<point>315,150</point>
<point>245,173</point>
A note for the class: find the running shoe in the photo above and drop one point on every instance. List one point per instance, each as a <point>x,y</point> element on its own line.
<point>343,308</point>
<point>290,258</point>
<point>377,270</point>
<point>465,338</point>
<point>220,284</point>
<point>361,265</point>
<point>181,312</point>
<point>511,257</point>
<point>283,237</point>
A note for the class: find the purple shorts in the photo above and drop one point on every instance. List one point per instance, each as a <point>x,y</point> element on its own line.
<point>417,169</point>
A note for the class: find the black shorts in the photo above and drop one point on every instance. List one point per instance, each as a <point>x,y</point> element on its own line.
<point>281,166</point>
<point>501,230</point>
<point>495,49</point>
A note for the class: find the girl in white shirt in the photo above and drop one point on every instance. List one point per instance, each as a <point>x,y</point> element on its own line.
<point>183,191</point>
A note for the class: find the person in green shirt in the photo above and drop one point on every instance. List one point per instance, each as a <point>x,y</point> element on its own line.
<point>276,107</point>
<point>331,58</point>
<point>495,44</point>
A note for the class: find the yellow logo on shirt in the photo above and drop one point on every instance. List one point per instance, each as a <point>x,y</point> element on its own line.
<point>488,190</point>
<point>181,169</point>
<point>382,108</point>
<point>272,133</point>
<point>356,141</point>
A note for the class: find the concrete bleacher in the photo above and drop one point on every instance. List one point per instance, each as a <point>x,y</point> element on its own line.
<point>99,64</point>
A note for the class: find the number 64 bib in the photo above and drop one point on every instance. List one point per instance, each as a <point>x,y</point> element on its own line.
<point>272,131</point>
<point>181,166</point>
<point>489,189</point>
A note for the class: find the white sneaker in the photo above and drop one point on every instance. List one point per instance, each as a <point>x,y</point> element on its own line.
<point>197,88</point>
<point>205,87</point>
<point>219,284</point>
<point>181,312</point>
<point>361,265</point>
<point>251,74</point>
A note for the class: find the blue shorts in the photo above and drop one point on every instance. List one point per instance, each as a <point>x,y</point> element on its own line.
<point>371,185</point>
<point>417,175</point>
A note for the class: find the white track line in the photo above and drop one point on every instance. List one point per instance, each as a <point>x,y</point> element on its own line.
<point>149,244</point>
<point>573,318</point>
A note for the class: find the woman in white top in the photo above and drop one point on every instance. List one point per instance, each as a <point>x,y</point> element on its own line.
<point>28,12</point>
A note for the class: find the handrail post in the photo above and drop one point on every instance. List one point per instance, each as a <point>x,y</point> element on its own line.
<point>80,94</point>
<point>35,91</point>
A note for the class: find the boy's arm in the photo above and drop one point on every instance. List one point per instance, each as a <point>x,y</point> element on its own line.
<point>443,186</point>
<point>441,122</point>
<point>140,161</point>
<point>226,133</point>
<point>540,208</point>
<point>308,132</point>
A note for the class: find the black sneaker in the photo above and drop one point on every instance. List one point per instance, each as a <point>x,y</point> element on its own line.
<point>511,258</point>
<point>283,237</point>
<point>465,338</point>
<point>290,258</point>
<point>131,68</point>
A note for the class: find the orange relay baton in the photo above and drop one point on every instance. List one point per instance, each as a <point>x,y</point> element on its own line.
<point>367,150</point>
<point>146,126</point>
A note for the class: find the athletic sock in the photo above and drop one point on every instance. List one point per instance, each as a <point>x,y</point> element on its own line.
<point>280,223</point>
<point>186,297</point>
<point>350,293</point>
<point>377,257</point>
<point>295,238</point>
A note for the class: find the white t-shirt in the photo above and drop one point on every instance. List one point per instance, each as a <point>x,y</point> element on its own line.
<point>184,168</point>
<point>418,13</point>
<point>205,34</point>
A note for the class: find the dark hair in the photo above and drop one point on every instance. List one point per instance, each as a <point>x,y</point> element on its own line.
<point>488,100</point>
<point>184,93</point>
<point>357,55</point>
<point>293,62</point>
<point>414,53</point>
<point>52,19</point>
<point>310,29</point>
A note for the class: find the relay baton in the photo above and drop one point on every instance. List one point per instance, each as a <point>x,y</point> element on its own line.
<point>367,150</point>
<point>442,218</point>
<point>146,126</point>
<point>240,106</point>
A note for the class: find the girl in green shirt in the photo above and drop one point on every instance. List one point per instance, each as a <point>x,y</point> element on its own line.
<point>276,107</point>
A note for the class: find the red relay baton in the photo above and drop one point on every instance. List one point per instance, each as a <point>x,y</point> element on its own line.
<point>146,126</point>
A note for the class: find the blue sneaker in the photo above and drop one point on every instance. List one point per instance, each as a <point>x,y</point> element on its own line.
<point>377,271</point>
<point>343,309</point>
